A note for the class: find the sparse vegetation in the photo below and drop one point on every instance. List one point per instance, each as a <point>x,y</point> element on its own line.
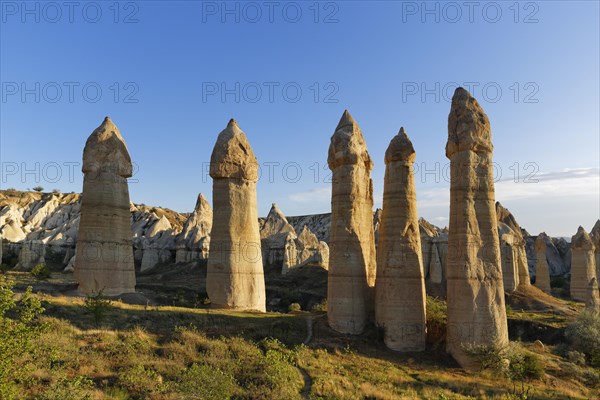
<point>41,272</point>
<point>584,336</point>
<point>38,188</point>
<point>512,362</point>
<point>294,307</point>
<point>98,306</point>
<point>18,331</point>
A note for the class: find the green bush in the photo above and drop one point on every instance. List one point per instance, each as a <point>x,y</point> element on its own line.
<point>584,336</point>
<point>512,362</point>
<point>78,388</point>
<point>17,334</point>
<point>98,306</point>
<point>41,272</point>
<point>4,268</point>
<point>321,307</point>
<point>437,319</point>
<point>141,382</point>
<point>294,307</point>
<point>202,381</point>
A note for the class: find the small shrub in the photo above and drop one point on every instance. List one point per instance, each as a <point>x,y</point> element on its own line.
<point>584,336</point>
<point>4,268</point>
<point>437,319</point>
<point>56,191</point>
<point>558,282</point>
<point>321,307</point>
<point>141,382</point>
<point>202,381</point>
<point>98,306</point>
<point>294,307</point>
<point>576,357</point>
<point>512,361</point>
<point>38,188</point>
<point>78,388</point>
<point>41,272</point>
<point>17,336</point>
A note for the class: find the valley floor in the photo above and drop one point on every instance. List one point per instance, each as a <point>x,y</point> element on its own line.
<point>143,351</point>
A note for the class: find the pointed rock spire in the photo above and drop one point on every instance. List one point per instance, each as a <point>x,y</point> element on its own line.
<point>475,288</point>
<point>593,297</point>
<point>542,271</point>
<point>106,165</point>
<point>348,145</point>
<point>400,284</point>
<point>232,156</point>
<point>583,264</point>
<point>105,149</point>
<point>352,254</point>
<point>400,149</point>
<point>235,277</point>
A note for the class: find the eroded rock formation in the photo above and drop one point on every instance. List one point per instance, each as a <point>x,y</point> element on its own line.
<point>104,259</point>
<point>583,264</point>
<point>476,311</point>
<point>542,272</point>
<point>32,253</point>
<point>592,303</point>
<point>400,286</point>
<point>595,235</point>
<point>194,241</point>
<point>515,270</point>
<point>352,265</point>
<point>235,277</point>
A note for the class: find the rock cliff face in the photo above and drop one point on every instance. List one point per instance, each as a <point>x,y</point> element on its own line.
<point>475,297</point>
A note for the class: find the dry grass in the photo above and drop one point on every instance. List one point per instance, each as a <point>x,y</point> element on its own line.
<point>166,352</point>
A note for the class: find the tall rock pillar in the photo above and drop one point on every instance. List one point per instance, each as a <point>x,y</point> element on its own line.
<point>475,291</point>
<point>583,264</point>
<point>104,255</point>
<point>400,285</point>
<point>235,277</point>
<point>542,271</point>
<point>352,265</point>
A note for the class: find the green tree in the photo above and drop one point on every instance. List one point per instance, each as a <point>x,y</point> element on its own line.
<point>19,328</point>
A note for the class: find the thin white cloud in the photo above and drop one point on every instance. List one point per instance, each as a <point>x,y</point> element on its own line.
<point>317,195</point>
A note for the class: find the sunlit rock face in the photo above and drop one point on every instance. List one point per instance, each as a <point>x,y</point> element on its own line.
<point>104,255</point>
<point>235,277</point>
<point>352,265</point>
<point>583,264</point>
<point>476,310</point>
<point>515,270</point>
<point>400,285</point>
<point>542,272</point>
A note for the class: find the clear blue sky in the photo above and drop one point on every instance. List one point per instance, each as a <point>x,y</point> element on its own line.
<point>373,58</point>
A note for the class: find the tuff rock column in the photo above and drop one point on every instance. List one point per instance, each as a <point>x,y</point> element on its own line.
<point>583,264</point>
<point>235,277</point>
<point>592,303</point>
<point>104,254</point>
<point>542,272</point>
<point>400,285</point>
<point>475,291</point>
<point>352,265</point>
<point>595,235</point>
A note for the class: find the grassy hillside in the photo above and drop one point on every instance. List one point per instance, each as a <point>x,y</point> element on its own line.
<point>127,351</point>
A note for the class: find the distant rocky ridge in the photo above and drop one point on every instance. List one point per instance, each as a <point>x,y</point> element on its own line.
<point>161,235</point>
